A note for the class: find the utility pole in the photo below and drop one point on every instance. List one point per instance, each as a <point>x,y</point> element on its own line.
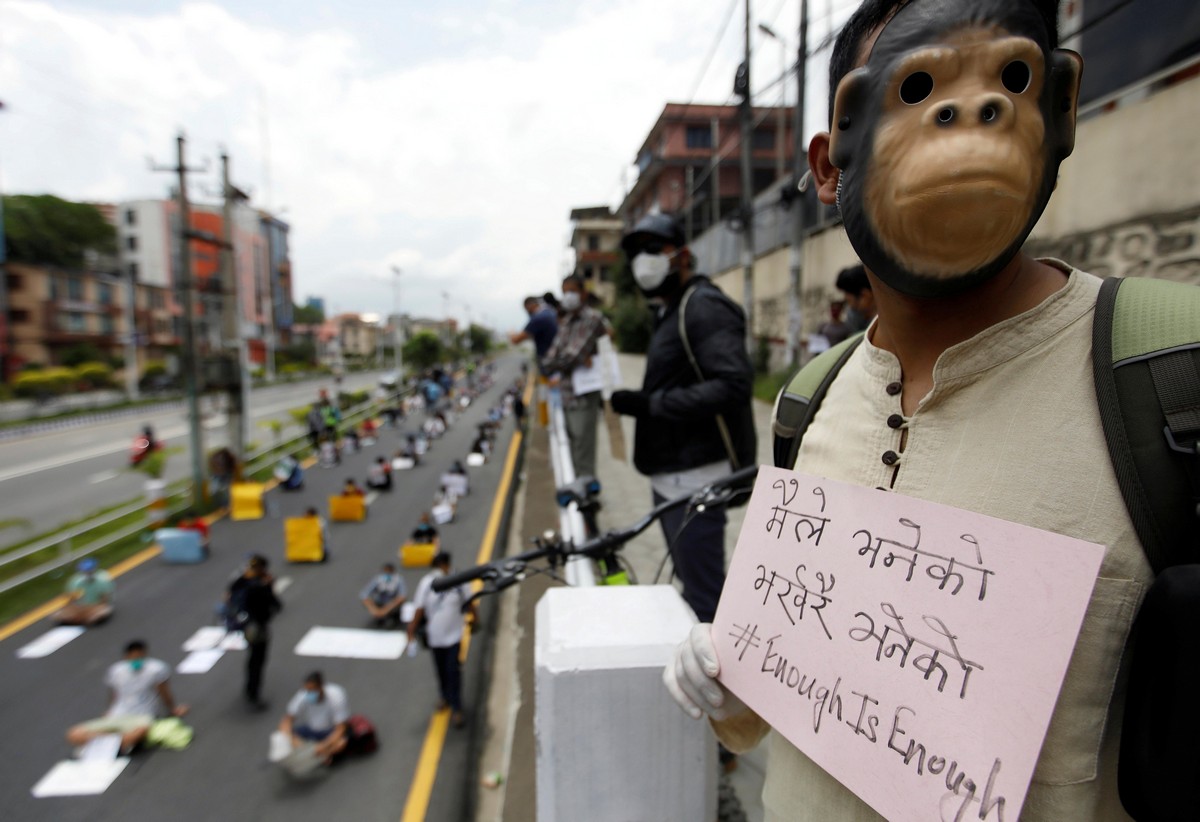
<point>741,85</point>
<point>131,334</point>
<point>799,167</point>
<point>231,321</point>
<point>186,293</point>
<point>398,331</point>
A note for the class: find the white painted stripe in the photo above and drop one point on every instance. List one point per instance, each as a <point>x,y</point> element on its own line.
<point>103,476</point>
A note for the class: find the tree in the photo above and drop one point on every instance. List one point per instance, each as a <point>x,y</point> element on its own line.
<point>480,339</point>
<point>45,230</point>
<point>307,315</point>
<point>423,350</point>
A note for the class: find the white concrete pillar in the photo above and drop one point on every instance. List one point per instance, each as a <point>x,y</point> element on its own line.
<point>612,746</point>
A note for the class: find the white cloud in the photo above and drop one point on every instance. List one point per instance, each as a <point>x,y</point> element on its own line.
<point>460,168</point>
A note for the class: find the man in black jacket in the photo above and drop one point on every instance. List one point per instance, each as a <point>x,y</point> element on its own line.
<point>253,604</point>
<point>694,420</point>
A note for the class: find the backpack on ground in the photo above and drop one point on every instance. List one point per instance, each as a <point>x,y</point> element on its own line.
<point>362,738</point>
<point>1146,360</point>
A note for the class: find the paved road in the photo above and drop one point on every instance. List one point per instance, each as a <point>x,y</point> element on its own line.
<point>224,774</point>
<point>50,478</point>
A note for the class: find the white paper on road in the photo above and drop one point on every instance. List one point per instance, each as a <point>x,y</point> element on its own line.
<point>353,643</point>
<point>69,778</point>
<point>233,642</point>
<point>199,662</point>
<point>474,459</point>
<point>104,748</point>
<point>207,637</point>
<point>50,642</point>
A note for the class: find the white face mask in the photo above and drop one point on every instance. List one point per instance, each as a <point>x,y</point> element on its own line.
<point>570,300</point>
<point>650,270</point>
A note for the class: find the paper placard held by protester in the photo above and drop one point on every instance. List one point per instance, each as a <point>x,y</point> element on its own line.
<point>893,639</point>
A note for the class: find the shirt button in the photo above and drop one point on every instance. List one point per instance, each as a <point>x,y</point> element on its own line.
<point>890,458</point>
<point>894,388</point>
<point>895,421</point>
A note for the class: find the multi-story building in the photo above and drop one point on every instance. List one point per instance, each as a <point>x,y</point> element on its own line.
<point>596,240</point>
<point>53,311</point>
<point>357,337</point>
<point>689,163</point>
<point>1127,202</point>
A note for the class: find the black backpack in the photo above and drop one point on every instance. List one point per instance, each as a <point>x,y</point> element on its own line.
<point>1146,358</point>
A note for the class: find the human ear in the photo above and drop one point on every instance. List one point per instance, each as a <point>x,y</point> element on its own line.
<point>824,173</point>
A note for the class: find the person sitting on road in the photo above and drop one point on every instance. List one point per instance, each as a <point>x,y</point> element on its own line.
<point>138,693</point>
<point>318,714</point>
<point>458,468</point>
<point>351,441</point>
<point>369,429</point>
<point>425,530</point>
<point>481,446</point>
<point>384,595</point>
<point>91,594</point>
<point>380,475</point>
<point>351,488</point>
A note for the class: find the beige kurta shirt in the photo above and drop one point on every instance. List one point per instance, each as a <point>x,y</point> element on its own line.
<point>1011,430</point>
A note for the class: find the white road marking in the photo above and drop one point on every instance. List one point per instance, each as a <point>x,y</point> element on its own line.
<point>103,476</point>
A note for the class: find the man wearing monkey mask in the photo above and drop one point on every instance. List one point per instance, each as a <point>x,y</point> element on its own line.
<point>973,386</point>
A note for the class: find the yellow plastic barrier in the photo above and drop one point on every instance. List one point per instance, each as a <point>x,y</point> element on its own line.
<point>246,500</point>
<point>347,508</point>
<point>302,539</point>
<point>417,554</point>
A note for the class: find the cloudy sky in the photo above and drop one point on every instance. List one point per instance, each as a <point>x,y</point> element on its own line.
<point>450,139</point>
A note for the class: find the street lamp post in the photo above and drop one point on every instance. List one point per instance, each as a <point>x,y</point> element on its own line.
<point>398,332</point>
<point>781,114</point>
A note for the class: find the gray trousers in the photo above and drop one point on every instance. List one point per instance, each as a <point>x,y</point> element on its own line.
<point>581,417</point>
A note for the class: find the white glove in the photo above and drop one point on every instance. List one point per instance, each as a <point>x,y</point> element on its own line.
<point>691,678</point>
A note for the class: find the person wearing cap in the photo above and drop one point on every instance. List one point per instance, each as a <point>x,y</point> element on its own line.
<point>442,616</point>
<point>693,412</point>
<point>90,593</point>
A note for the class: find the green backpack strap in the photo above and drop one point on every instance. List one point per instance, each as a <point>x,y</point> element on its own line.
<point>801,396</point>
<point>1146,357</point>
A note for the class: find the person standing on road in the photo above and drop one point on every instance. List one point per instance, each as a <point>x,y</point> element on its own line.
<point>252,599</point>
<point>138,694</point>
<point>442,615</point>
<point>574,349</point>
<point>693,412</point>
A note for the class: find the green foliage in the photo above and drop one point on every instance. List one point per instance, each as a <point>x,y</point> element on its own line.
<point>43,229</point>
<point>423,350</point>
<point>480,339</point>
<point>293,368</point>
<point>303,353</point>
<point>79,354</point>
<point>48,382</point>
<point>632,321</point>
<point>154,464</point>
<point>349,399</point>
<point>94,374</point>
<point>622,277</point>
<point>154,375</point>
<point>766,386</point>
<point>307,315</point>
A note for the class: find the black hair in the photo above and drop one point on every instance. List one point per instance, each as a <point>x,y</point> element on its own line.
<point>874,13</point>
<point>310,511</point>
<point>441,558</point>
<point>316,678</point>
<point>389,566</point>
<point>576,279</point>
<point>531,299</point>
<point>549,299</point>
<point>853,280</point>
<point>133,646</point>
<point>258,562</point>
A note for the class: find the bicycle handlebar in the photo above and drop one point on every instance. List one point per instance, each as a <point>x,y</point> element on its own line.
<point>503,572</point>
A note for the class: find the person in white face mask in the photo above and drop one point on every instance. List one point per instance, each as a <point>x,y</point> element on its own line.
<point>694,420</point>
<point>574,348</point>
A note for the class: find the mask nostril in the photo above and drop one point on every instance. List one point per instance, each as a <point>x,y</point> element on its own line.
<point>988,113</point>
<point>945,116</point>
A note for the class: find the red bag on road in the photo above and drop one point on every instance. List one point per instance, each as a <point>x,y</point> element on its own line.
<point>362,735</point>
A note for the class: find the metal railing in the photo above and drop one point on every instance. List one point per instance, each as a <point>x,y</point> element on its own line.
<point>73,543</point>
<point>570,522</point>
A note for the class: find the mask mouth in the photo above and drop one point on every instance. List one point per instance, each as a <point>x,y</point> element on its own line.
<point>651,269</point>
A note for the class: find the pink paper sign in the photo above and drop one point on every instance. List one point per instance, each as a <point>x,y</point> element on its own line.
<point>913,650</point>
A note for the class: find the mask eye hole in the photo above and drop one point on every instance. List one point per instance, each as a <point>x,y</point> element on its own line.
<point>1016,76</point>
<point>916,87</point>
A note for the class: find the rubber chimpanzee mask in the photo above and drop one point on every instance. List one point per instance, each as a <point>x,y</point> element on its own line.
<point>949,141</point>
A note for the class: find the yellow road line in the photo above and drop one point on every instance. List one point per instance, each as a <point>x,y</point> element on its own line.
<point>421,788</point>
<point>422,785</point>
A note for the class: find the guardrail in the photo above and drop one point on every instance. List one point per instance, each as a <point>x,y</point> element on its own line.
<point>570,522</point>
<point>73,543</point>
